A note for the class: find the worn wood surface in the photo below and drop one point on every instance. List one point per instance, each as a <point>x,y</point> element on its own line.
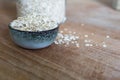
<point>65,63</point>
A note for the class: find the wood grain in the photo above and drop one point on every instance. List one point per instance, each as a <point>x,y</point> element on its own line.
<point>65,63</point>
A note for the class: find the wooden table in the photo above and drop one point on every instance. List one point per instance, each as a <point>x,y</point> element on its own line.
<point>58,62</point>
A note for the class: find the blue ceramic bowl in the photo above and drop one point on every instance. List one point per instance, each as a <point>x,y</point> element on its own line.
<point>33,40</point>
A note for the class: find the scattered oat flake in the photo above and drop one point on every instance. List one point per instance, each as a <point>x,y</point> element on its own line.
<point>104,45</point>
<point>107,36</point>
<point>85,41</point>
<point>82,24</point>
<point>74,32</point>
<point>91,45</point>
<point>86,36</point>
<point>87,45</point>
<point>77,45</point>
<point>61,31</point>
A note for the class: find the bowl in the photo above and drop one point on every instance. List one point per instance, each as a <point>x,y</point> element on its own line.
<point>33,40</point>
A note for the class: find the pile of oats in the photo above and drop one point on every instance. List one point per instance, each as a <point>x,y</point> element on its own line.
<point>33,23</point>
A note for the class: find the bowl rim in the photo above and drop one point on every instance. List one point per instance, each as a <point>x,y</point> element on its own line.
<point>10,27</point>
